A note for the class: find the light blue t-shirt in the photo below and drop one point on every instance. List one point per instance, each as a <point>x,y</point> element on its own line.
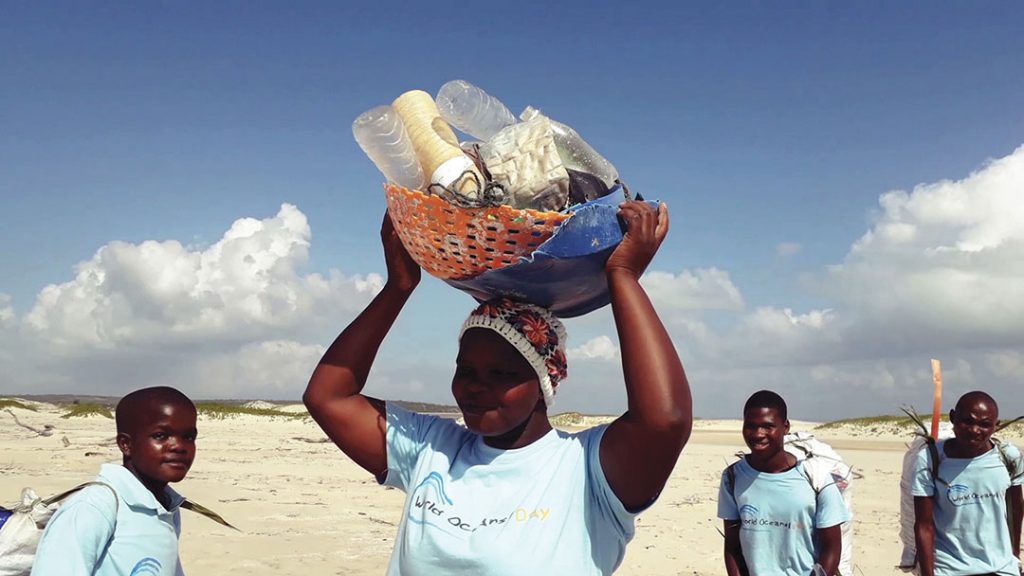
<point>778,515</point>
<point>91,534</point>
<point>969,511</point>
<point>471,509</point>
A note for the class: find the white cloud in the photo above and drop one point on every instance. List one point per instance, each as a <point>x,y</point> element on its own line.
<point>234,318</point>
<point>1008,364</point>
<point>787,249</point>
<point>7,317</point>
<point>247,284</point>
<point>938,273</point>
<point>943,265</point>
<point>696,290</point>
<point>599,348</point>
<point>273,369</point>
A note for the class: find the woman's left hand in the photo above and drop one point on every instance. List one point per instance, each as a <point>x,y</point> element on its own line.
<point>646,227</point>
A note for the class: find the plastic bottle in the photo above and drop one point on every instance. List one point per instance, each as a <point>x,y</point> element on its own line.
<point>472,110</point>
<point>436,147</point>
<point>576,154</point>
<point>382,135</point>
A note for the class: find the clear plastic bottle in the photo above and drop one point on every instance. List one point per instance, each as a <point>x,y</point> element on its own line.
<point>472,110</point>
<point>576,154</point>
<point>382,135</point>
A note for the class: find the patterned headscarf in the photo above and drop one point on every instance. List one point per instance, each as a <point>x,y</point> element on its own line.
<point>535,333</point>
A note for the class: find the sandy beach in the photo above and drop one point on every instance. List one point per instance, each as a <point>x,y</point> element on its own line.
<point>304,508</point>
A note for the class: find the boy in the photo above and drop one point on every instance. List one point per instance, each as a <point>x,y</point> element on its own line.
<point>775,523</point>
<point>130,526</point>
<point>960,513</point>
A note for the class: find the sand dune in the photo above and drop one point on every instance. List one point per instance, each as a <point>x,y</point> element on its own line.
<point>304,508</point>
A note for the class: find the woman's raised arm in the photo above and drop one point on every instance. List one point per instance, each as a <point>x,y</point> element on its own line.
<point>641,447</point>
<point>356,423</point>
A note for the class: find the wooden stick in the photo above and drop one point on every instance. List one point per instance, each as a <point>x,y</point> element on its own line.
<point>937,398</point>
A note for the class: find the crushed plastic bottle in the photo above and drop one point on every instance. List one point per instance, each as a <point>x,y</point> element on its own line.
<point>383,137</point>
<point>472,110</point>
<point>575,152</point>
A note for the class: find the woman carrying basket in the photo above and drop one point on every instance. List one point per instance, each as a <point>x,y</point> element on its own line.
<point>508,494</point>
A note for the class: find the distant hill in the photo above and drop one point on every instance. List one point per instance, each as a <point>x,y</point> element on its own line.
<point>111,401</point>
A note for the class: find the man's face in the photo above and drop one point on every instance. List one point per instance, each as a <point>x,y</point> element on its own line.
<point>974,424</point>
<point>163,444</point>
<point>764,431</point>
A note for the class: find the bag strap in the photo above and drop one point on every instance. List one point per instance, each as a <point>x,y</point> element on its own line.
<point>1011,469</point>
<point>67,493</point>
<point>186,503</point>
<point>730,479</point>
<point>1011,466</point>
<point>935,459</point>
<point>807,474</point>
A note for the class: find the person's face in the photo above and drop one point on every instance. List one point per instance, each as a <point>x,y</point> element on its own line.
<point>764,431</point>
<point>163,444</point>
<point>974,424</point>
<point>495,387</point>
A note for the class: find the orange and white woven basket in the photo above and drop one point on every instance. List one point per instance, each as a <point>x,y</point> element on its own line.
<point>456,243</point>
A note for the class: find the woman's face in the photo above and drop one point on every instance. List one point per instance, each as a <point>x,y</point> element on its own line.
<point>494,386</point>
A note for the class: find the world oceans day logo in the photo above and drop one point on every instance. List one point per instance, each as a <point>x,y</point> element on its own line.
<point>748,511</point>
<point>961,495</point>
<point>147,566</point>
<point>430,505</point>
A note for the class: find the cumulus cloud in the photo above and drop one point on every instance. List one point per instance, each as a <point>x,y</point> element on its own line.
<point>246,284</point>
<point>939,272</point>
<point>940,269</point>
<point>699,289</point>
<point>271,369</point>
<point>237,317</point>
<point>942,265</point>
<point>600,348</point>
<point>7,317</point>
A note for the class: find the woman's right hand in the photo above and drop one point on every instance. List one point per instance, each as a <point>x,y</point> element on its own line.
<point>403,271</point>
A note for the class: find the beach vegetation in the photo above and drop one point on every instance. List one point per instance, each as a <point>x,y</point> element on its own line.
<point>222,410</point>
<point>870,422</point>
<point>85,409</point>
<point>568,419</point>
<point>12,403</point>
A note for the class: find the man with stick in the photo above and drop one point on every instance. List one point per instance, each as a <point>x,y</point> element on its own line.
<point>968,505</point>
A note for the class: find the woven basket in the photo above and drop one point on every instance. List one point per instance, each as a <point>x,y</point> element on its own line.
<point>460,243</point>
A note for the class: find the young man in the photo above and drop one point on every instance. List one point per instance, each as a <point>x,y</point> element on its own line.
<point>961,525</point>
<point>130,526</point>
<point>775,521</point>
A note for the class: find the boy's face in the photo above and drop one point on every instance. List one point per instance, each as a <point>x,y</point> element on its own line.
<point>974,424</point>
<point>764,431</point>
<point>162,446</point>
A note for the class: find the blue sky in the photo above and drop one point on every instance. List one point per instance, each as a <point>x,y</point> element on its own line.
<point>771,131</point>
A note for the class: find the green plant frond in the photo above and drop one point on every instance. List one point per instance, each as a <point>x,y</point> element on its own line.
<point>203,510</point>
<point>922,427</point>
<point>1007,424</point>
